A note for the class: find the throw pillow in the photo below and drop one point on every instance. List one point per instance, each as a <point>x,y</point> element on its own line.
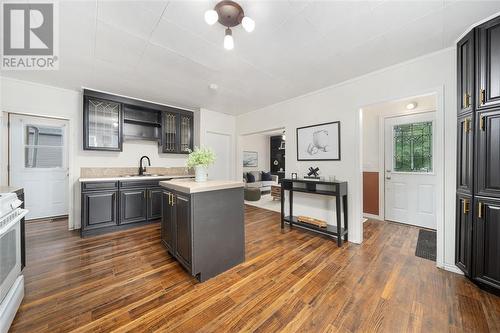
<point>266,176</point>
<point>250,178</point>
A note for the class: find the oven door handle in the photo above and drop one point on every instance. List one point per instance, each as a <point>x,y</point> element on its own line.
<point>5,228</point>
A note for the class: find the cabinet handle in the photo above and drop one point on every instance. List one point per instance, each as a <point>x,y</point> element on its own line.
<point>465,203</point>
<point>466,100</point>
<point>170,199</point>
<point>482,124</point>
<point>483,96</point>
<point>480,210</point>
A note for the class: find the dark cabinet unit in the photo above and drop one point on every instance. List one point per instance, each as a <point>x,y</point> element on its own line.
<point>99,209</point>
<point>277,156</point>
<point>463,250</point>
<point>108,120</point>
<point>488,153</point>
<point>477,243</point>
<point>113,205</point>
<point>465,154</point>
<point>204,231</point>
<point>177,132</point>
<point>488,64</point>
<point>133,206</point>
<point>487,242</point>
<point>465,73</point>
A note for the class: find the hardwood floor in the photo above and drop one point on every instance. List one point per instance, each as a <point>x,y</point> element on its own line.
<point>292,281</point>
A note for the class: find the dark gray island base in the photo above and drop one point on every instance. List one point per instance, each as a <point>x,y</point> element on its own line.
<point>203,225</point>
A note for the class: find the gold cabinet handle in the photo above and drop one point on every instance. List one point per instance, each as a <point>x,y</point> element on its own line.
<point>480,210</point>
<point>483,96</point>
<point>466,100</point>
<point>482,124</point>
<point>170,199</point>
<point>465,204</point>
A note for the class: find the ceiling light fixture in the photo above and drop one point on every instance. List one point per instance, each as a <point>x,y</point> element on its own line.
<point>411,106</point>
<point>229,14</point>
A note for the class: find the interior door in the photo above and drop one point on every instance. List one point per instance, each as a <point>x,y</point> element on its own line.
<point>410,181</point>
<point>221,145</point>
<point>38,154</point>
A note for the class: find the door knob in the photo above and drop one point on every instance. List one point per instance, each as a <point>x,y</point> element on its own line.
<point>388,177</point>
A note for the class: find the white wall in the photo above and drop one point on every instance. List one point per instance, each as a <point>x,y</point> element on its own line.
<point>371,128</point>
<point>36,99</point>
<point>219,123</point>
<point>261,144</point>
<point>431,73</point>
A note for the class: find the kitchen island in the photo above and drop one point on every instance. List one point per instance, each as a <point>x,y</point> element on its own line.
<point>203,225</point>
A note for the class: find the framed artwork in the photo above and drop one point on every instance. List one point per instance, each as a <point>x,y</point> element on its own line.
<point>250,159</point>
<point>319,142</point>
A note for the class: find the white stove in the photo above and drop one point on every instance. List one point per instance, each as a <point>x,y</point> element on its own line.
<point>11,280</point>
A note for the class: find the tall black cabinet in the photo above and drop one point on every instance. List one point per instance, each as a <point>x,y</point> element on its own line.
<point>477,249</point>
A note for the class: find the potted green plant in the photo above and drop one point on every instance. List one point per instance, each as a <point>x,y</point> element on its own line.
<point>200,159</point>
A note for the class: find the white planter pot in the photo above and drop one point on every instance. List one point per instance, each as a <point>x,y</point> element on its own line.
<point>200,173</point>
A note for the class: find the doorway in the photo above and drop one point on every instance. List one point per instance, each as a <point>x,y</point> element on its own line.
<point>38,162</point>
<point>409,178</point>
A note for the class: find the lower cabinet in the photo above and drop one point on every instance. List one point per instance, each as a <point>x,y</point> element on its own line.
<point>463,249</point>
<point>487,242</point>
<point>176,227</point>
<point>99,209</point>
<point>154,203</point>
<point>133,206</point>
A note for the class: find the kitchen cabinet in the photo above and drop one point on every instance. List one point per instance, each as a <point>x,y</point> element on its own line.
<point>154,196</point>
<point>177,132</point>
<point>488,64</point>
<point>487,240</point>
<point>465,153</point>
<point>99,209</point>
<point>114,205</point>
<point>463,250</point>
<point>477,241</point>
<point>488,153</point>
<point>111,119</point>
<point>102,124</point>
<point>465,73</point>
<point>204,231</point>
<point>133,206</point>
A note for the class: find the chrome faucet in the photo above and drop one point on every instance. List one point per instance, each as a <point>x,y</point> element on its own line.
<point>141,168</point>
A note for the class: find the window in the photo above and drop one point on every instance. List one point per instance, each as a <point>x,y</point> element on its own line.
<point>43,147</point>
<point>413,147</point>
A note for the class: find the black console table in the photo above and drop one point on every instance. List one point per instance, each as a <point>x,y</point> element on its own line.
<point>336,189</point>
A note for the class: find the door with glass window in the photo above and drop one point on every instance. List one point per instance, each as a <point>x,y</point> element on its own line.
<point>410,180</point>
<point>38,162</point>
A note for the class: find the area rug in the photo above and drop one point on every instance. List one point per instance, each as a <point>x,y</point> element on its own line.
<point>426,245</point>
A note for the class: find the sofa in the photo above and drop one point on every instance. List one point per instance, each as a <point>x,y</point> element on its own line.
<point>263,186</point>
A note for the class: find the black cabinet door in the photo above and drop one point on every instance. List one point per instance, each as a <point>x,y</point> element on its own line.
<point>186,133</point>
<point>488,64</point>
<point>487,242</point>
<point>465,154</point>
<point>102,124</point>
<point>465,73</point>
<point>167,221</point>
<point>99,209</point>
<point>154,203</point>
<point>183,229</point>
<point>170,132</point>
<point>487,168</point>
<point>463,242</point>
<point>133,206</point>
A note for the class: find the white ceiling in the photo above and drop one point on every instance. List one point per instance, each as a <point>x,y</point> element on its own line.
<point>164,51</point>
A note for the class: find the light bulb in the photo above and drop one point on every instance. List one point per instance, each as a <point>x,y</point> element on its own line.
<point>248,24</point>
<point>411,106</point>
<point>211,17</point>
<point>228,40</point>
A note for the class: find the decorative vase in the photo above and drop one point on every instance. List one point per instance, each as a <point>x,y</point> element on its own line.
<point>200,172</point>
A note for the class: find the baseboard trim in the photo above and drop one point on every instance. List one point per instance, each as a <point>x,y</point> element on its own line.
<point>373,217</point>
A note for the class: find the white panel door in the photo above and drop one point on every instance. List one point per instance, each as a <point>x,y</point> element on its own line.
<point>221,145</point>
<point>39,164</point>
<point>410,181</point>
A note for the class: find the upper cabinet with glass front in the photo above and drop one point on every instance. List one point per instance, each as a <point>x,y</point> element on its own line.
<point>108,120</point>
<point>488,64</point>
<point>102,124</point>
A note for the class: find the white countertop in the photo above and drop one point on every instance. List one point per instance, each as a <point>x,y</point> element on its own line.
<point>104,179</point>
<point>190,186</point>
